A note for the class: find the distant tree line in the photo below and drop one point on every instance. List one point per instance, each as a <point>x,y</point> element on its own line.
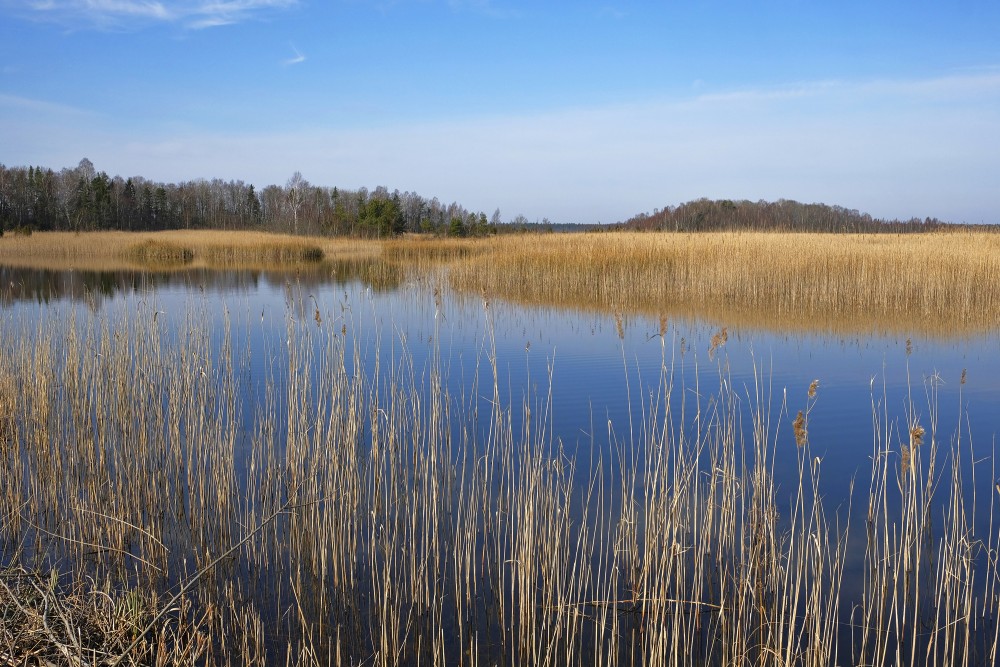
<point>782,215</point>
<point>83,199</point>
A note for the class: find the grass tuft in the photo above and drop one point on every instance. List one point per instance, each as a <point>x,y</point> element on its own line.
<point>159,253</point>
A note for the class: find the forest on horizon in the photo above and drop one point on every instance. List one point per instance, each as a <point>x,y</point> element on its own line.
<point>84,199</point>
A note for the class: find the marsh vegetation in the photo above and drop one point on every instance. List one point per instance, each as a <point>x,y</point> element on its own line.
<point>201,483</point>
<point>928,283</point>
<point>934,283</point>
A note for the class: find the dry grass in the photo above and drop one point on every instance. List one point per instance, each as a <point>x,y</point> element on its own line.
<point>941,284</point>
<point>372,518</point>
<point>930,582</point>
<point>433,250</point>
<point>43,622</point>
<point>109,251</point>
<point>158,253</point>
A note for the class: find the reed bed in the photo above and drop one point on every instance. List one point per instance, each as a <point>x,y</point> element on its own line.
<point>261,251</point>
<point>110,251</point>
<point>433,250</point>
<point>160,253</point>
<point>941,283</point>
<point>316,513</point>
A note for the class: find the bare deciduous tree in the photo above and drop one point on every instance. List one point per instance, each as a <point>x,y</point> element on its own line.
<point>294,196</point>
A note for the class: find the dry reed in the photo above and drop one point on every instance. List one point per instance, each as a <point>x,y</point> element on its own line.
<point>325,515</point>
<point>938,283</point>
<point>160,253</point>
<point>108,251</point>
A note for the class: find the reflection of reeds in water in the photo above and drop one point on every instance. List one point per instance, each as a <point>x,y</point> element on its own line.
<point>374,272</point>
<point>380,520</point>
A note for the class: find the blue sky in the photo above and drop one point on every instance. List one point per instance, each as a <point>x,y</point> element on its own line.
<point>579,112</point>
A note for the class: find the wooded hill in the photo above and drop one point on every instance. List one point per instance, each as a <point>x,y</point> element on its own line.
<point>783,215</point>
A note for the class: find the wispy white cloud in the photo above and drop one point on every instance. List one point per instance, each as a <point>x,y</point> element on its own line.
<point>984,82</point>
<point>210,22</point>
<point>126,14</point>
<point>966,84</point>
<point>210,14</point>
<point>18,103</point>
<point>294,60</point>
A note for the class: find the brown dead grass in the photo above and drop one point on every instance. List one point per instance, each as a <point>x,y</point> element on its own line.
<point>398,539</point>
<point>109,251</point>
<point>941,284</point>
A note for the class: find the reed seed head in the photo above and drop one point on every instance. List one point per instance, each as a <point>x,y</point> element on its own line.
<point>718,340</point>
<point>917,435</point>
<point>799,427</point>
<point>813,386</point>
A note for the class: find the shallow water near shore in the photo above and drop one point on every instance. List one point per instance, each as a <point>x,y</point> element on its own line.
<point>592,381</point>
<point>589,361</point>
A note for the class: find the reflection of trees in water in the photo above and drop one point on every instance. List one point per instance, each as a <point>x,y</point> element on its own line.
<point>46,285</point>
<point>93,287</point>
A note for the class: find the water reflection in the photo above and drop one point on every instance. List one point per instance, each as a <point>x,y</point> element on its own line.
<point>586,391</point>
<point>44,286</point>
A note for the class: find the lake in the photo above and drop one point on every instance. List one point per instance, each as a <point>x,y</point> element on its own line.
<point>412,473</point>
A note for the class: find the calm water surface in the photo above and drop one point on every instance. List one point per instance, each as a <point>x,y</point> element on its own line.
<point>599,372</point>
<point>591,364</point>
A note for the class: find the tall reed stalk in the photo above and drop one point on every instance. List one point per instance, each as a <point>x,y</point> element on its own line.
<point>330,505</point>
